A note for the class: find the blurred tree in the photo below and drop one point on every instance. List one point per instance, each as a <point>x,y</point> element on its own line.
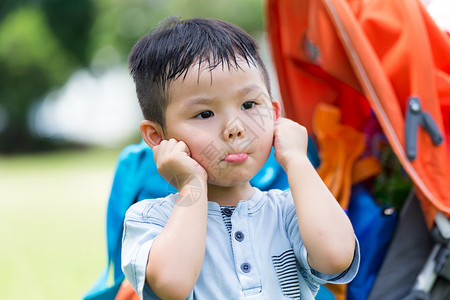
<point>119,23</point>
<point>70,22</point>
<point>247,14</point>
<point>42,42</point>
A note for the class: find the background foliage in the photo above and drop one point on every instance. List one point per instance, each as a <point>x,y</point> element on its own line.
<point>42,42</point>
<point>53,204</point>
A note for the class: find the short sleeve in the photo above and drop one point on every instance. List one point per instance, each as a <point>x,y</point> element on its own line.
<point>143,223</point>
<point>341,278</point>
<point>312,276</point>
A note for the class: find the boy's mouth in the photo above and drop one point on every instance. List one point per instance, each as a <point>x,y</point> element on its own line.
<point>236,157</point>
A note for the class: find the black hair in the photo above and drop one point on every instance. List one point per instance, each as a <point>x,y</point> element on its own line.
<point>168,52</point>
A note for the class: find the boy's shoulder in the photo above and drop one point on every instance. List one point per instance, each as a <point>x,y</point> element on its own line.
<point>275,199</point>
<point>149,209</point>
<point>277,193</point>
<point>279,196</point>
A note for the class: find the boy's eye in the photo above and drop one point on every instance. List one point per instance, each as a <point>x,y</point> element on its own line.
<point>205,114</point>
<point>248,105</point>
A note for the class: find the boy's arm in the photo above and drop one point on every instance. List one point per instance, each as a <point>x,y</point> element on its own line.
<point>324,227</point>
<point>176,256</point>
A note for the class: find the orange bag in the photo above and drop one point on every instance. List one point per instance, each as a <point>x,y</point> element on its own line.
<point>126,292</point>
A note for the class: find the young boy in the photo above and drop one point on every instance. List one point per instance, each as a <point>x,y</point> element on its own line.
<point>210,120</point>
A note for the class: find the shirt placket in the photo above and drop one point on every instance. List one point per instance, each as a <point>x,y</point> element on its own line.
<point>244,258</point>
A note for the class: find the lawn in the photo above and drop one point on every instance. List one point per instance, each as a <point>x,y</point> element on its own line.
<point>52,222</point>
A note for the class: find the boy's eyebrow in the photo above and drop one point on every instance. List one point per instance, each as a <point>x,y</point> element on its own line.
<point>196,101</point>
<point>205,100</point>
<point>246,90</point>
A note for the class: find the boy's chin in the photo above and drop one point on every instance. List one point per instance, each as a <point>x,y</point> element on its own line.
<point>229,181</point>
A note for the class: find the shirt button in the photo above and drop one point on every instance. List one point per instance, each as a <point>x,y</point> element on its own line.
<point>228,212</point>
<point>239,236</point>
<point>245,267</point>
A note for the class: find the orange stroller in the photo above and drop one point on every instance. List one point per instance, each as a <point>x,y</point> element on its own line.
<point>342,64</point>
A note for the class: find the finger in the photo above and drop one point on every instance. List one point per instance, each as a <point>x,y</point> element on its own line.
<point>166,147</point>
<point>171,143</point>
<point>182,147</point>
<point>163,149</point>
<point>157,149</point>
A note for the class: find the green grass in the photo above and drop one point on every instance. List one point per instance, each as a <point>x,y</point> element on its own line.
<point>52,222</point>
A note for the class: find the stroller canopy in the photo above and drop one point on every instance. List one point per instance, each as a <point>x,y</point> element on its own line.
<point>381,57</point>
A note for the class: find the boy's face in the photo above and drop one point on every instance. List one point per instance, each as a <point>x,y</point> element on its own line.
<point>226,118</point>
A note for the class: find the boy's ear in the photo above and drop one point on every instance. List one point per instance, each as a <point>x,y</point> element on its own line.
<point>152,133</point>
<point>277,109</point>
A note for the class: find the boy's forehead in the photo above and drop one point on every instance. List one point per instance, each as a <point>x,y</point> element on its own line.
<point>206,69</point>
<point>209,65</point>
<point>204,75</point>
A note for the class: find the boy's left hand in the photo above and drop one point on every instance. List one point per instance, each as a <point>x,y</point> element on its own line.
<point>290,141</point>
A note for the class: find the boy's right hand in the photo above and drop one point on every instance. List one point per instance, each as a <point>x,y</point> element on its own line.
<point>290,142</point>
<point>175,164</point>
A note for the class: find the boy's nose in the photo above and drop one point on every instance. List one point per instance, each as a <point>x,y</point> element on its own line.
<point>234,130</point>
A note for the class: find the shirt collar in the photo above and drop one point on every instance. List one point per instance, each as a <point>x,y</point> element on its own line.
<point>251,205</point>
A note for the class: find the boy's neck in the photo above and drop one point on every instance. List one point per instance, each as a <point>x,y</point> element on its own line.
<point>230,196</point>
